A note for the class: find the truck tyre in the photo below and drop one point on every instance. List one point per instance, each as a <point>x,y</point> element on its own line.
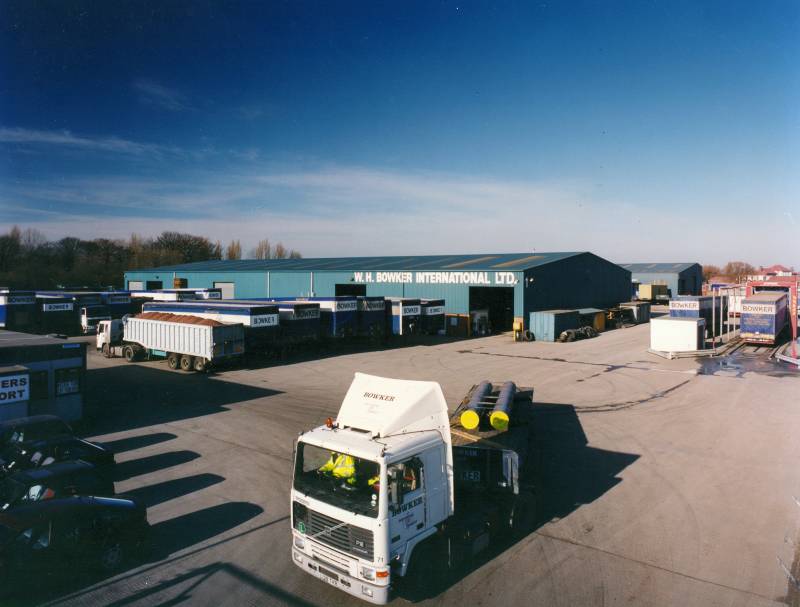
<point>200,364</point>
<point>426,574</point>
<point>173,361</point>
<point>187,362</point>
<point>129,354</point>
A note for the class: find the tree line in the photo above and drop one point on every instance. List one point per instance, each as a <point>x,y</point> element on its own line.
<point>28,260</point>
<point>734,270</point>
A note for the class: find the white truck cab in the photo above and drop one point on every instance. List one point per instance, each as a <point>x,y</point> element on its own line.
<point>358,533</point>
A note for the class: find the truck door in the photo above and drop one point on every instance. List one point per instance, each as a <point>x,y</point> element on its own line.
<point>406,481</point>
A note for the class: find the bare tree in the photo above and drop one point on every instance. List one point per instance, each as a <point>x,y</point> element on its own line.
<point>738,270</point>
<point>710,270</point>
<point>234,250</point>
<point>295,254</point>
<point>263,250</point>
<point>280,252</point>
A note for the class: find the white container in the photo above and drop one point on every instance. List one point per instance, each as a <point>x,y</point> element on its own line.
<point>677,334</point>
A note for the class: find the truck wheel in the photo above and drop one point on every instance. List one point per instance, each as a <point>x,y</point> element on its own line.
<point>187,362</point>
<point>173,361</point>
<point>200,364</point>
<point>129,354</point>
<point>426,574</point>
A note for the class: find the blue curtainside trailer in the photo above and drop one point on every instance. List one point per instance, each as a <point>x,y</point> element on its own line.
<point>764,316</point>
<point>371,317</point>
<point>337,314</point>
<point>17,310</point>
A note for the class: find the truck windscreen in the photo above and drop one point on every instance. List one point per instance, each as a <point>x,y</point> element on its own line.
<point>338,479</point>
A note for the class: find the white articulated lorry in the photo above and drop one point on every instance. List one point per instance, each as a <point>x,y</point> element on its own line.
<point>187,342</point>
<point>396,488</point>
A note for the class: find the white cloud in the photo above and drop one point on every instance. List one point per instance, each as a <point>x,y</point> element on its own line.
<point>99,144</point>
<point>152,93</point>
<point>334,211</point>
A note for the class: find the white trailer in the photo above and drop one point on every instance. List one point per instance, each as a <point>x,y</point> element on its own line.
<point>185,341</point>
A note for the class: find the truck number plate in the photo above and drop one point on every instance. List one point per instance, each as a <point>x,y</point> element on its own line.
<point>329,577</point>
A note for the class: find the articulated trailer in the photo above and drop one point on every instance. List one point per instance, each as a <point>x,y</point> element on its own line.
<point>395,490</point>
<point>187,342</point>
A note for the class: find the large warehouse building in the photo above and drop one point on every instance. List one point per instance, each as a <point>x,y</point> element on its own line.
<point>684,278</point>
<point>509,286</point>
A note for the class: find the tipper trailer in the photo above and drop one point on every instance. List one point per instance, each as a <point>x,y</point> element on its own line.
<point>395,488</point>
<point>187,342</point>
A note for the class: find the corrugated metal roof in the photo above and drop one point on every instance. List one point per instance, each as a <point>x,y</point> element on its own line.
<point>506,261</point>
<point>658,268</point>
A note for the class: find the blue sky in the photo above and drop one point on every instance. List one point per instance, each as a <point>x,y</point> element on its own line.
<point>637,130</point>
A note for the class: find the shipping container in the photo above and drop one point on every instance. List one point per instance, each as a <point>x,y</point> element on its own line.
<point>677,334</point>
<point>547,325</point>
<point>764,316</point>
<point>432,319</point>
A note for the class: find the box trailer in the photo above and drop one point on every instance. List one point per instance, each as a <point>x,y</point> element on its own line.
<point>403,315</point>
<point>764,316</point>
<point>432,317</point>
<point>187,342</point>
<point>17,310</point>
<point>337,314</point>
<point>371,316</point>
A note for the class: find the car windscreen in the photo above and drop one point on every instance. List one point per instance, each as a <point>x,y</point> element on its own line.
<point>337,479</point>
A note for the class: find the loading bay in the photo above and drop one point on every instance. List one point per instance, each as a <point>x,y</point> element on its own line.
<point>662,482</point>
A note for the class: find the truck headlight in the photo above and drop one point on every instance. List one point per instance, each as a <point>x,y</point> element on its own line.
<point>299,542</point>
<point>368,573</point>
<point>297,557</point>
<point>366,590</point>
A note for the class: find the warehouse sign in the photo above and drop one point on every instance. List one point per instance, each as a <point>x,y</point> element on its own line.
<point>14,388</point>
<point>437,278</point>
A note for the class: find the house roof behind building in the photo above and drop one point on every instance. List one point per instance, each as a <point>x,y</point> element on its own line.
<point>512,262</point>
<point>657,268</point>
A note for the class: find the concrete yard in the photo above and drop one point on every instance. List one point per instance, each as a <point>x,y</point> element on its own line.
<point>663,482</point>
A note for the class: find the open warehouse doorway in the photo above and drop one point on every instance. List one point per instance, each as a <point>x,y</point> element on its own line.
<point>351,289</point>
<point>498,302</point>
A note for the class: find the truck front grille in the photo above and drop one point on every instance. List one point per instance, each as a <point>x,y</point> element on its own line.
<point>347,538</point>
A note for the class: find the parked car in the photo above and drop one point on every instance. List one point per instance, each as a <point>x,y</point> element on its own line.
<point>35,427</point>
<point>34,454</point>
<point>69,535</point>
<point>63,479</point>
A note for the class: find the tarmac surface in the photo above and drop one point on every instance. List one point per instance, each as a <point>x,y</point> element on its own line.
<point>659,484</point>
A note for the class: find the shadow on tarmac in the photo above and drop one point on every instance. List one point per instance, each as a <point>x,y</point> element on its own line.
<point>131,443</point>
<point>565,473</point>
<point>151,495</point>
<point>128,396</point>
<point>152,463</point>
